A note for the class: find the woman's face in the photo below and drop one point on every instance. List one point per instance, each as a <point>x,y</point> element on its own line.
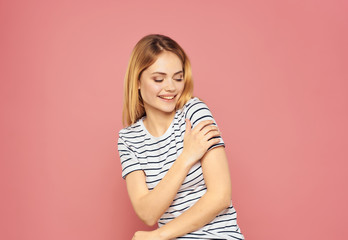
<point>162,83</point>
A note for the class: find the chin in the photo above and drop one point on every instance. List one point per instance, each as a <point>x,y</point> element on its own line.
<point>167,109</point>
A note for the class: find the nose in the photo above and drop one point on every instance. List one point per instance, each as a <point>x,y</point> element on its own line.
<point>170,85</point>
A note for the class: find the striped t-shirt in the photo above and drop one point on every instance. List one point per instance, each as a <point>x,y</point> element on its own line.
<point>139,150</point>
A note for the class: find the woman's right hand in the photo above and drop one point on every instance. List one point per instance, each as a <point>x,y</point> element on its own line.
<point>198,140</point>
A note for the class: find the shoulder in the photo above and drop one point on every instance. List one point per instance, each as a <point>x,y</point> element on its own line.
<point>132,131</point>
<point>193,104</point>
<point>196,110</point>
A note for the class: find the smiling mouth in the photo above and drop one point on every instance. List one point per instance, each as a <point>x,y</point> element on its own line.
<point>167,97</point>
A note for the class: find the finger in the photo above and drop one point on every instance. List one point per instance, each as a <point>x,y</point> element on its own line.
<point>188,126</point>
<point>202,125</point>
<point>211,134</point>
<point>212,142</point>
<point>208,129</point>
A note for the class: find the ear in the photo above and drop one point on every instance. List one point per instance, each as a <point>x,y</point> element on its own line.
<point>138,84</point>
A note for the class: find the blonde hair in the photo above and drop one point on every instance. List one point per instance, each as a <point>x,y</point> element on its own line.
<point>144,54</point>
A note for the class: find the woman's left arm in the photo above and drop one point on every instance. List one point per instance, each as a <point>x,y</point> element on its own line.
<point>217,198</point>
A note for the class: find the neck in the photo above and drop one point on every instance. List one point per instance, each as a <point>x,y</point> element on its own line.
<point>157,124</point>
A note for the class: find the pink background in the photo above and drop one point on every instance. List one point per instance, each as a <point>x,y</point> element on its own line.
<point>274,74</point>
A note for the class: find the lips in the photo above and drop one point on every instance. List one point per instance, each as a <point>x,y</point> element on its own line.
<point>167,97</point>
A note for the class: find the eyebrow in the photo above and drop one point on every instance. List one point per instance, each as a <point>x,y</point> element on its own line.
<point>162,73</point>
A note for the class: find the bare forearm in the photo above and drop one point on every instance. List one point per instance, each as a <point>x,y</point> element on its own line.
<point>156,202</point>
<point>200,214</point>
<point>150,205</point>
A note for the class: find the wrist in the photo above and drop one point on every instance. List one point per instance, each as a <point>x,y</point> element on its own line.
<point>186,161</point>
<point>162,234</point>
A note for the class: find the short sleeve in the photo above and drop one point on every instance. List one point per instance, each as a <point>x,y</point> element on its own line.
<point>128,159</point>
<point>198,111</point>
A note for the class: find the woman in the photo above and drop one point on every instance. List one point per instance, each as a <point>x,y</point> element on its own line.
<point>172,154</point>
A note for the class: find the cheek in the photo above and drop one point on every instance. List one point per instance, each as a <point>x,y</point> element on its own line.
<point>156,88</point>
<point>151,88</point>
<point>181,87</point>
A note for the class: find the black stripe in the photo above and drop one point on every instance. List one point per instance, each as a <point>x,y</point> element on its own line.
<point>189,108</point>
<point>200,175</point>
<point>189,200</point>
<point>200,109</point>
<point>134,136</point>
<point>232,235</point>
<point>148,139</point>
<point>131,165</point>
<point>216,145</point>
<point>123,161</point>
<point>225,220</point>
<point>204,116</point>
<point>202,180</point>
<point>165,170</point>
<point>131,131</point>
<point>159,155</point>
<point>178,210</point>
<point>181,197</point>
<point>223,227</point>
<point>188,190</point>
